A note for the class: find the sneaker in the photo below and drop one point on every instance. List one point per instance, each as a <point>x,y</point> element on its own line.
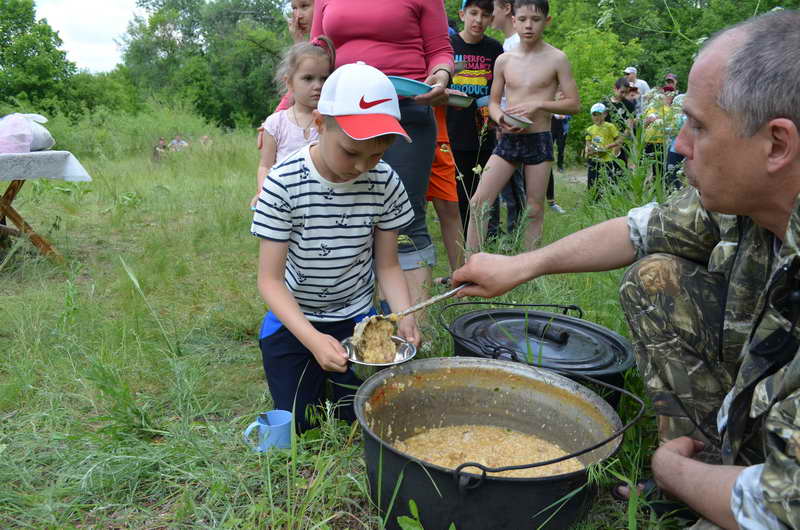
<point>556,208</point>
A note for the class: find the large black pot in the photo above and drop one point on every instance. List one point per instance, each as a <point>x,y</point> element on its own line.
<point>403,400</point>
<point>521,333</point>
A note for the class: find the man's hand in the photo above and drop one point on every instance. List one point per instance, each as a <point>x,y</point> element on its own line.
<point>329,353</point>
<point>407,328</point>
<point>492,275</point>
<point>706,488</point>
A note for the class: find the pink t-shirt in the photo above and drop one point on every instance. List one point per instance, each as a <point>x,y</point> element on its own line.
<point>401,37</point>
<point>288,136</point>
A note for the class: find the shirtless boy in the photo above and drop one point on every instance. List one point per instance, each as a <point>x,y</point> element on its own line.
<point>529,75</point>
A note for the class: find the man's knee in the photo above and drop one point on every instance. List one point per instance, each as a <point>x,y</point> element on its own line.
<point>649,276</point>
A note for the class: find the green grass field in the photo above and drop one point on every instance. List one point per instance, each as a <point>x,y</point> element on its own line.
<point>128,373</point>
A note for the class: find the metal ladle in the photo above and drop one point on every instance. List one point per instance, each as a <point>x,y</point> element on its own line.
<point>394,317</point>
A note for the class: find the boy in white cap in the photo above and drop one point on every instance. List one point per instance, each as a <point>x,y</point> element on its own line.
<point>631,73</point>
<point>603,141</point>
<point>328,218</point>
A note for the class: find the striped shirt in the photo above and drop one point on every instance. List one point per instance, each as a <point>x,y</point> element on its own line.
<point>329,229</point>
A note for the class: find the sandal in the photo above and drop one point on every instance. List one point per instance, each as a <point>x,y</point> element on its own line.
<point>654,500</point>
<point>445,281</point>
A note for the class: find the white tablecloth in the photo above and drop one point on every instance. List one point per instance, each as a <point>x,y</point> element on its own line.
<point>60,165</point>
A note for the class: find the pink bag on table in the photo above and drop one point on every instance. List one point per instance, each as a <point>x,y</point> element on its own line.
<point>16,134</point>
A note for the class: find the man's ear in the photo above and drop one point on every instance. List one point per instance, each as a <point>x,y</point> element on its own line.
<point>785,144</point>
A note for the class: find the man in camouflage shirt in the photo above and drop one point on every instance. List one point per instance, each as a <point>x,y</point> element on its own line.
<point>713,292</point>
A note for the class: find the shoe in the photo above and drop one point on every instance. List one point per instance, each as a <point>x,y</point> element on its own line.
<point>556,208</point>
<point>653,499</point>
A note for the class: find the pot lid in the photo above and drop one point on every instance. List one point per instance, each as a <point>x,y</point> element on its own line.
<point>539,338</point>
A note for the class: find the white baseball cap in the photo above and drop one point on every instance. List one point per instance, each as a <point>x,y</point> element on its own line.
<point>363,101</point>
<point>630,70</point>
<point>598,107</point>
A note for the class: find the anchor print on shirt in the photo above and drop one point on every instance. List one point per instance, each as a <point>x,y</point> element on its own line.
<point>280,204</point>
<point>328,194</point>
<point>324,250</point>
<point>371,185</point>
<point>300,277</point>
<point>342,220</point>
<point>304,173</point>
<point>324,293</point>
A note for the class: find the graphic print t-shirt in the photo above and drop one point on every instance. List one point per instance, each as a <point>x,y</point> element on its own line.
<point>475,81</point>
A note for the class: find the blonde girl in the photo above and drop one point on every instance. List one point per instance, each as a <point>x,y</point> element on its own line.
<point>302,71</point>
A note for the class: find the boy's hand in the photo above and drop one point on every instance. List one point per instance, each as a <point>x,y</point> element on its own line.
<point>509,129</point>
<point>407,328</point>
<point>524,109</point>
<point>254,201</point>
<point>329,353</point>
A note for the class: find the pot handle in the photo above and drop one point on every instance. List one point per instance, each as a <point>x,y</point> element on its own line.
<point>461,477</point>
<point>468,482</point>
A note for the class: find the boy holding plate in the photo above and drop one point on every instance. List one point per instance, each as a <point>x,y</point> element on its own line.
<point>529,75</point>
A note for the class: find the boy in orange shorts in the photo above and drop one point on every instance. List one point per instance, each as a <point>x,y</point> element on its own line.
<point>442,193</point>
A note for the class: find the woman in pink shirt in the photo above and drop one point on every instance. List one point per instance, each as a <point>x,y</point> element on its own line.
<point>406,38</point>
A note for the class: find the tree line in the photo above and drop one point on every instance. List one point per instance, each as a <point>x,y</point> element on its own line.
<point>218,56</point>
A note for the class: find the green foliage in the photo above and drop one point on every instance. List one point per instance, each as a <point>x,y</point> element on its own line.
<point>108,134</point>
<point>32,66</point>
<point>217,57</point>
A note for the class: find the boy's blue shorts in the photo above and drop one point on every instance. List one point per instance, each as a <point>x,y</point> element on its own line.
<point>294,377</point>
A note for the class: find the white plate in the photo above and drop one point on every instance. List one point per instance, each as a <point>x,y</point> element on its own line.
<point>457,100</point>
<point>405,352</point>
<point>517,121</point>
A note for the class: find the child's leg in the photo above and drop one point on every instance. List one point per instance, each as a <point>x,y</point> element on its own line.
<point>536,178</point>
<point>494,178</point>
<point>295,379</point>
<point>452,236</point>
<point>344,384</point>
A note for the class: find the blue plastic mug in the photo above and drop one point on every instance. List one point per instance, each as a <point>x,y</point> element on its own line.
<point>274,430</point>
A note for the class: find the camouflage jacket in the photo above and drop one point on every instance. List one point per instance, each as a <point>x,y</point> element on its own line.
<point>760,321</point>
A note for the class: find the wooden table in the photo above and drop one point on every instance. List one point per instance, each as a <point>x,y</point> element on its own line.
<point>19,167</point>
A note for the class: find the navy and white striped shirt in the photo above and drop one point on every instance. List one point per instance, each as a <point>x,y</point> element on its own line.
<point>329,227</point>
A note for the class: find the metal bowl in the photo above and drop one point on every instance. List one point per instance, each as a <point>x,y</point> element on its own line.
<point>405,352</point>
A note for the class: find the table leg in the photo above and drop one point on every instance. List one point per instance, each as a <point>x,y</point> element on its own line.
<point>6,210</point>
<point>8,197</point>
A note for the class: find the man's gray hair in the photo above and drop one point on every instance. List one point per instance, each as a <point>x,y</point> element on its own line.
<point>762,75</point>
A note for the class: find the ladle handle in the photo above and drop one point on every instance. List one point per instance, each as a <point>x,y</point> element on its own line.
<point>431,301</point>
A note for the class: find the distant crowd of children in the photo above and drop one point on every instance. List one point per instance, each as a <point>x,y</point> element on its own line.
<point>328,208</point>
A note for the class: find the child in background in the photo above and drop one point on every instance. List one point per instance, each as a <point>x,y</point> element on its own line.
<point>328,218</point>
<point>529,75</point>
<point>300,20</point>
<point>603,140</point>
<point>444,196</point>
<point>472,144</point>
<point>303,70</point>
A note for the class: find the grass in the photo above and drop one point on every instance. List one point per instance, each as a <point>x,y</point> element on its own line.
<point>128,373</point>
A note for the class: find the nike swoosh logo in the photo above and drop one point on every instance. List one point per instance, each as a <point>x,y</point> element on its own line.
<point>368,104</point>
